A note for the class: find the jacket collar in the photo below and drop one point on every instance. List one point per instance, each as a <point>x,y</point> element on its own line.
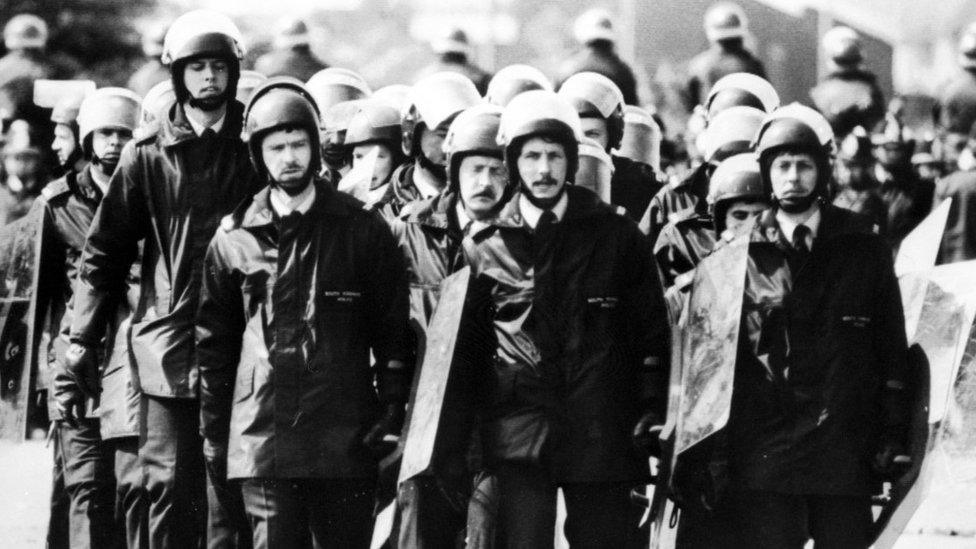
<point>176,128</point>
<point>433,212</point>
<point>834,222</point>
<point>84,186</point>
<point>581,204</point>
<point>258,212</point>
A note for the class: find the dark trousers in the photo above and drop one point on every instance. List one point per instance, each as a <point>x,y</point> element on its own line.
<point>428,519</point>
<point>171,456</point>
<point>598,514</point>
<point>57,525</point>
<point>227,524</point>
<point>785,521</point>
<point>131,504</point>
<point>89,480</point>
<point>288,513</point>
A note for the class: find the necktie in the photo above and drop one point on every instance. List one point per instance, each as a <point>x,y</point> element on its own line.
<point>546,220</point>
<point>800,247</point>
<point>208,134</point>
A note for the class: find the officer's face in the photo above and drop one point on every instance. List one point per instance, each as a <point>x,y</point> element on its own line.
<point>384,161</point>
<point>740,212</point>
<point>206,77</point>
<point>596,129</point>
<point>482,181</point>
<point>793,175</point>
<point>107,145</point>
<point>432,144</point>
<point>287,155</point>
<point>64,144</point>
<point>542,167</point>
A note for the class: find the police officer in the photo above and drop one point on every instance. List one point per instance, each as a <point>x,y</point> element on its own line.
<point>690,234</point>
<point>153,71</point>
<point>857,189</point>
<point>301,285</point>
<point>959,95</point>
<point>594,32</point>
<point>726,27</point>
<point>430,232</point>
<point>581,341</point>
<point>908,199</point>
<point>513,80</point>
<point>98,453</point>
<point>376,127</point>
<point>453,50</point>
<point>171,188</point>
<point>291,54</point>
<point>849,96</point>
<point>959,238</point>
<point>336,92</point>
<point>600,106</point>
<point>818,406</point>
<point>22,171</point>
<point>733,90</point>
<point>434,103</point>
<point>25,38</point>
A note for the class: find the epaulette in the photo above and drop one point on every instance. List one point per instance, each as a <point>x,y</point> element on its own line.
<point>620,210</point>
<point>147,133</point>
<point>228,223</point>
<point>56,188</point>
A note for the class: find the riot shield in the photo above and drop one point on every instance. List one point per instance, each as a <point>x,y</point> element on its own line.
<point>20,256</point>
<point>919,250</point>
<point>357,181</point>
<point>939,307</point>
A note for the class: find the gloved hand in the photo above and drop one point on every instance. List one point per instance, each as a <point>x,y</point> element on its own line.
<point>647,432</point>
<point>81,363</point>
<point>891,460</point>
<point>69,399</point>
<point>383,437</point>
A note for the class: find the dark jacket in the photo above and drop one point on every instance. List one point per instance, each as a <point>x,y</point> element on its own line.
<point>171,188</point>
<point>428,234</point>
<point>690,193</point>
<point>577,308</point>
<point>817,350</point>
<point>867,202</point>
<point>908,200</point>
<point>459,63</point>
<point>298,62</point>
<point>682,244</point>
<point>959,103</point>
<point>600,57</point>
<point>632,186</point>
<point>706,68</point>
<point>959,239</point>
<point>849,98</point>
<point>290,310</point>
<point>402,191</point>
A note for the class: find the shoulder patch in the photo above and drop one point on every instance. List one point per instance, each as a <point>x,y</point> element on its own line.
<point>56,188</point>
<point>146,134</point>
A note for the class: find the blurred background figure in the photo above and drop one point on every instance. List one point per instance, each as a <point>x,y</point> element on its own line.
<point>849,96</point>
<point>291,53</point>
<point>857,189</point>
<point>959,96</point>
<point>153,71</point>
<point>927,159</point>
<point>453,50</point>
<point>727,28</point>
<point>594,33</point>
<point>907,198</point>
<point>248,82</point>
<point>23,172</point>
<point>25,38</point>
<point>959,239</point>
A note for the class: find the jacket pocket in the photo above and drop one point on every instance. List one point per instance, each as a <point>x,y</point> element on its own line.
<point>244,386</point>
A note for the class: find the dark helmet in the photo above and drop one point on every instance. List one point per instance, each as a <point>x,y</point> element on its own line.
<point>474,131</point>
<point>202,33</point>
<point>724,21</point>
<point>843,46</point>
<point>513,80</point>
<point>280,102</point>
<point>434,101</point>
<point>374,122</point>
<point>736,178</point>
<point>788,134</point>
<point>595,95</point>
<point>539,113</point>
<point>115,108</point>
<point>741,89</point>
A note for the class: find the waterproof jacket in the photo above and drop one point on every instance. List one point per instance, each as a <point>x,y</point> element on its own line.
<point>429,237</point>
<point>689,193</point>
<point>171,189</point>
<point>298,62</point>
<point>633,186</point>
<point>682,244</point>
<point>820,351</point>
<point>709,66</point>
<point>959,103</point>
<point>402,191</point>
<point>600,57</point>
<point>959,239</point>
<point>849,98</point>
<point>576,308</point>
<point>290,310</point>
<point>908,200</point>
<point>69,206</point>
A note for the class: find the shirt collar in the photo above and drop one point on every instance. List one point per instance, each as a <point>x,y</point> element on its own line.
<point>787,225</point>
<point>426,183</point>
<point>198,127</point>
<point>531,213</point>
<point>284,203</point>
<point>462,216</point>
<point>101,180</point>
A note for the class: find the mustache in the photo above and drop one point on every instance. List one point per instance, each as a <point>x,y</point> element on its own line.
<point>544,180</point>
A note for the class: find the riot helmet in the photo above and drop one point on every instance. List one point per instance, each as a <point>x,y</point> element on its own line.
<point>736,178</point>
<point>107,108</point>
<point>25,31</point>
<point>513,80</point>
<point>434,101</point>
<point>201,34</point>
<point>280,103</point>
<point>539,113</point>
<point>731,133</point>
<point>741,89</point>
<point>594,95</point>
<point>725,21</point>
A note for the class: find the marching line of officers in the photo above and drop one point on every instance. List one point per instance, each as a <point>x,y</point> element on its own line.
<point>251,264</point>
